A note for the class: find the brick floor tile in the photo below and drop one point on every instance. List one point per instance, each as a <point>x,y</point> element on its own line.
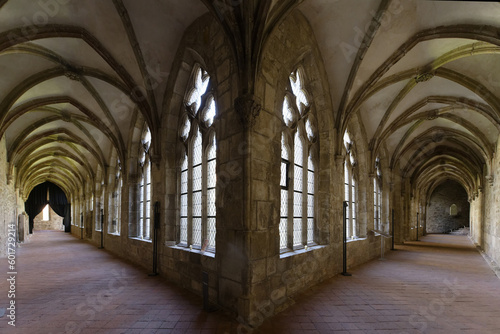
<point>440,284</point>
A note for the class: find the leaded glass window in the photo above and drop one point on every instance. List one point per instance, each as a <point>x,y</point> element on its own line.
<point>297,178</point>
<point>114,227</point>
<point>350,188</point>
<point>144,193</point>
<point>198,176</point>
<point>377,196</point>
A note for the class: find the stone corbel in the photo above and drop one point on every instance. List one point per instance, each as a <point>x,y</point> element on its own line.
<point>9,178</point>
<point>156,159</point>
<point>248,108</point>
<point>490,179</point>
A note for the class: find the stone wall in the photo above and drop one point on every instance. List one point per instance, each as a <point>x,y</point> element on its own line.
<point>55,222</point>
<point>489,236</point>
<point>439,219</point>
<point>8,209</point>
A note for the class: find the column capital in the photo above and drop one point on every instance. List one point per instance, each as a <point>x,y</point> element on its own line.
<point>248,107</point>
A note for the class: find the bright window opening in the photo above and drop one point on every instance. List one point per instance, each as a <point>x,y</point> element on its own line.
<point>45,213</point>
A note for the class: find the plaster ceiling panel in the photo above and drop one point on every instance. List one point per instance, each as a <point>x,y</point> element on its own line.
<point>478,120</point>
<point>76,52</point>
<point>443,13</point>
<point>118,103</point>
<point>21,13</point>
<point>22,123</point>
<point>56,147</point>
<point>374,108</point>
<point>427,107</point>
<point>102,140</point>
<point>15,68</point>
<point>426,52</point>
<point>484,69</point>
<point>439,122</point>
<point>338,35</point>
<point>397,25</point>
<point>67,107</point>
<point>396,137</point>
<point>61,86</point>
<point>59,125</point>
<point>99,18</point>
<point>159,28</point>
<point>434,87</point>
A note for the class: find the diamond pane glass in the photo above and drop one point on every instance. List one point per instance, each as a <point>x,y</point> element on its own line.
<point>183,230</point>
<point>284,203</point>
<point>184,205</point>
<point>354,228</point>
<point>298,151</point>
<point>297,182</point>
<point>197,149</point>
<point>346,192</point>
<point>310,182</point>
<point>211,230</point>
<point>283,232</point>
<point>310,230</point>
<point>140,228</point>
<point>197,204</point>
<point>211,174</point>
<point>297,231</point>
<point>147,232</point>
<point>196,231</point>
<point>141,210</point>
<point>297,204</point>
<point>184,182</point>
<point>310,206</point>
<point>197,178</point>
<point>211,211</point>
<point>283,173</point>
<point>212,151</point>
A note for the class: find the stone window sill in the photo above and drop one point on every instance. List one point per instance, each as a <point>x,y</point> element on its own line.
<point>356,239</point>
<point>289,253</point>
<point>194,250</point>
<point>140,239</point>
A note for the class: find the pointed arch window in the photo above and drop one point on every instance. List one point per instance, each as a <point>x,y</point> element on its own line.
<point>377,196</point>
<point>297,176</point>
<point>198,177</point>
<point>100,206</point>
<point>114,227</point>
<point>350,187</point>
<point>144,221</point>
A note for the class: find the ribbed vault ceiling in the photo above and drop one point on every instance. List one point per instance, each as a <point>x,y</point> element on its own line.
<point>423,76</point>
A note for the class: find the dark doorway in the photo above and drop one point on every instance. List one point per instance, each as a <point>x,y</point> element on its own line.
<point>448,208</point>
<point>48,193</point>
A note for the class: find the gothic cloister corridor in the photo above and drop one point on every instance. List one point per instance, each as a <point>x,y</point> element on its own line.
<point>440,284</point>
<point>249,151</point>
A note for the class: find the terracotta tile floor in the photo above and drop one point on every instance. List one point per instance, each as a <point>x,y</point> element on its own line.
<point>438,285</point>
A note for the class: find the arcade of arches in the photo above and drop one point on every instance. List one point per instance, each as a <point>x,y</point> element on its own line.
<point>242,126</point>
